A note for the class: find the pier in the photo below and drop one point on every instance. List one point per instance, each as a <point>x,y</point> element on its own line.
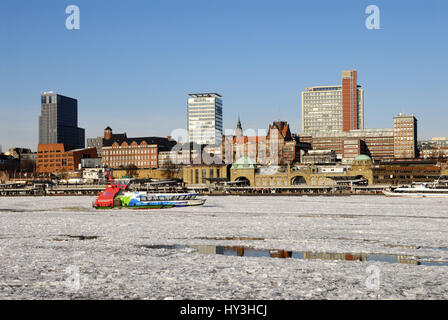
<point>40,189</point>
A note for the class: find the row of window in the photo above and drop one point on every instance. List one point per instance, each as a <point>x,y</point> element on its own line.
<point>48,99</point>
<point>141,164</point>
<point>129,151</point>
<point>114,158</point>
<point>49,151</point>
<point>212,173</point>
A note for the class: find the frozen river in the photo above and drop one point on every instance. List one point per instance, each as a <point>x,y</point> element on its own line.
<point>358,247</point>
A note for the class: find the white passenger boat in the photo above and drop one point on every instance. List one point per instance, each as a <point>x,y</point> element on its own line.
<point>419,190</point>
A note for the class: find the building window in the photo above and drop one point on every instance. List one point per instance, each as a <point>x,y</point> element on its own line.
<point>204,173</point>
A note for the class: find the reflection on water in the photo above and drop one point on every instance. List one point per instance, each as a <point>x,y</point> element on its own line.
<point>242,251</point>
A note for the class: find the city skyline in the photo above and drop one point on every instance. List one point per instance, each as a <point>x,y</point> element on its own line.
<point>114,76</point>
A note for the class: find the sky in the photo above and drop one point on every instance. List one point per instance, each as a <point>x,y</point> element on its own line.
<point>132,64</point>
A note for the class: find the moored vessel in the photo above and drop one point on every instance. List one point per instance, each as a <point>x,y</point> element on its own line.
<point>418,190</point>
<point>116,195</point>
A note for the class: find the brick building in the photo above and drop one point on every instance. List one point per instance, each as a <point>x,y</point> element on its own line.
<point>406,172</point>
<point>58,157</point>
<point>378,143</point>
<point>278,147</point>
<point>143,152</point>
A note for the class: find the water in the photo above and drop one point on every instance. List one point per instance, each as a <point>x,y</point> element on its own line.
<point>241,251</point>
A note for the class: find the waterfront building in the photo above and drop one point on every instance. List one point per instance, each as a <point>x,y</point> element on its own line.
<point>205,118</point>
<point>353,148</point>
<point>119,151</point>
<point>337,108</point>
<point>436,148</point>
<point>181,154</point>
<point>58,122</point>
<point>8,163</point>
<point>405,137</point>
<point>59,157</point>
<point>89,163</point>
<point>277,147</point>
<point>27,158</point>
<point>378,143</point>
<point>399,172</point>
<point>361,171</point>
<point>246,172</point>
<point>202,174</point>
<point>94,175</point>
<point>239,145</point>
<point>96,143</point>
<point>319,157</point>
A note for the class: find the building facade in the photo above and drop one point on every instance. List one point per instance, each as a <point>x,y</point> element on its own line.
<point>436,148</point>
<point>96,143</point>
<point>27,158</point>
<point>405,137</point>
<point>119,151</point>
<point>406,172</point>
<point>277,147</point>
<point>352,102</point>
<point>378,143</point>
<point>327,109</point>
<point>58,122</point>
<point>319,157</point>
<point>204,174</point>
<point>205,118</point>
<point>247,173</point>
<point>58,157</point>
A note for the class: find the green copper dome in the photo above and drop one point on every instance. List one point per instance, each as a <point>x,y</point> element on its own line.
<point>244,163</point>
<point>362,157</point>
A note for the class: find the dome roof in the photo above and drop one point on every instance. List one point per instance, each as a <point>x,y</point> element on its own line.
<point>244,163</point>
<point>362,157</point>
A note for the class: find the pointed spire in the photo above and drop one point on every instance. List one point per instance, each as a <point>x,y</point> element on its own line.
<point>239,128</point>
<point>238,125</point>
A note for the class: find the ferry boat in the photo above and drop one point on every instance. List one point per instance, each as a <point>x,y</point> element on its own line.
<point>418,190</point>
<point>116,195</point>
<point>143,199</point>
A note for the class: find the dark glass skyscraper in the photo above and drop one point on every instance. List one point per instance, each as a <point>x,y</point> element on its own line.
<point>58,122</point>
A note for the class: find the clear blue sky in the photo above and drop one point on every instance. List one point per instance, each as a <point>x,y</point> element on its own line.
<point>132,63</point>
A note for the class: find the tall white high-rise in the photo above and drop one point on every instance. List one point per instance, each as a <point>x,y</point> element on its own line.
<point>205,118</point>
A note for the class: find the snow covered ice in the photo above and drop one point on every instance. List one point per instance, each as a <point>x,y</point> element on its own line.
<point>60,247</point>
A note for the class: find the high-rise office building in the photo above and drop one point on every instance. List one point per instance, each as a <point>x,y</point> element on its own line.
<point>58,122</point>
<point>328,109</point>
<point>352,102</point>
<point>205,118</point>
<point>405,136</point>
